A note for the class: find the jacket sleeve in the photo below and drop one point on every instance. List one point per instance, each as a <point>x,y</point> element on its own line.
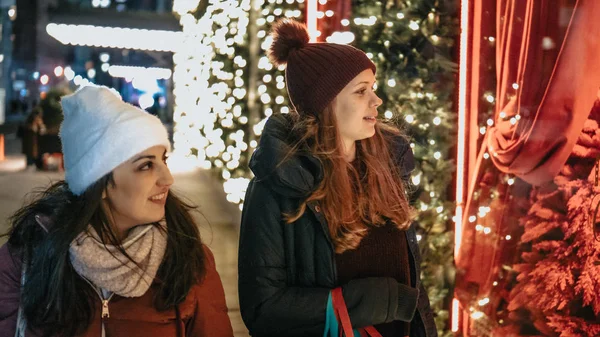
<point>10,290</point>
<point>271,307</point>
<point>210,316</point>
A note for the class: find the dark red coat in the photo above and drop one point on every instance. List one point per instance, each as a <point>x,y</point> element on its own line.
<point>203,313</point>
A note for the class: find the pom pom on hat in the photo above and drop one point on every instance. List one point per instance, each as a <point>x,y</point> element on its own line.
<point>100,131</point>
<point>315,73</point>
<point>288,36</point>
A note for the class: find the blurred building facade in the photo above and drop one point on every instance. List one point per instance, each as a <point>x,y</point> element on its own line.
<point>61,44</point>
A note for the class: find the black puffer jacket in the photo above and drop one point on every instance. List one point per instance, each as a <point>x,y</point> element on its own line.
<point>287,270</point>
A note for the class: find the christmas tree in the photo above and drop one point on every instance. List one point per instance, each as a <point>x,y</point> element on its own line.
<point>411,44</point>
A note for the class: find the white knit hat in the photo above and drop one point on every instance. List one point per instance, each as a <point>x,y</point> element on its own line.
<point>100,131</point>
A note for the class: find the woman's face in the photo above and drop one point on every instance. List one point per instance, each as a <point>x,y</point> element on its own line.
<point>140,190</point>
<point>355,109</point>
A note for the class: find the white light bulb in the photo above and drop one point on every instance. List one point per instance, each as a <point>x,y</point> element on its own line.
<point>58,71</point>
<point>91,73</point>
<point>477,315</point>
<point>104,57</point>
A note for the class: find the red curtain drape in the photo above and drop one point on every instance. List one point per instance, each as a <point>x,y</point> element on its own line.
<point>555,91</point>
<point>548,75</point>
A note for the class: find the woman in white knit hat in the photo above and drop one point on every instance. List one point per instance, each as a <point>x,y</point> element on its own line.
<point>110,251</point>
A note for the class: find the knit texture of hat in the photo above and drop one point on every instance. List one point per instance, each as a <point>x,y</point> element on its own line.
<point>315,72</point>
<point>100,131</point>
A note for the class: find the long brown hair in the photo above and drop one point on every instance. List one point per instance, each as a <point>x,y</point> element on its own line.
<point>368,191</point>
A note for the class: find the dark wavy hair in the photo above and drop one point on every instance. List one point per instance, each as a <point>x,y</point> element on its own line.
<point>55,299</point>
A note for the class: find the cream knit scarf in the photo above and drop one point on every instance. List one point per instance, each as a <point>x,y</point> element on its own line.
<point>110,270</point>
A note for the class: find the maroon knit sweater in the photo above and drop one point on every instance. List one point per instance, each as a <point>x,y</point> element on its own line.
<point>383,252</point>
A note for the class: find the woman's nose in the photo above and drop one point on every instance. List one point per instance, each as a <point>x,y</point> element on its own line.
<point>166,179</point>
<point>377,101</point>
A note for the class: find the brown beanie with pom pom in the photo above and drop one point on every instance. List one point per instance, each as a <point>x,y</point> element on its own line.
<point>315,72</point>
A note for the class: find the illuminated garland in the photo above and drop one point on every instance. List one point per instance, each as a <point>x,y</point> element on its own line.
<point>211,86</point>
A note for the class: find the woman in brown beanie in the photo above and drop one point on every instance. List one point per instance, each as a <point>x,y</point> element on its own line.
<point>328,205</point>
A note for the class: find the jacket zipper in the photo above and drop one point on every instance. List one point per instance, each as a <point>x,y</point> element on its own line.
<point>105,311</point>
<point>324,227</point>
<point>412,257</point>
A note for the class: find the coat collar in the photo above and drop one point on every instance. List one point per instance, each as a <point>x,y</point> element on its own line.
<point>296,176</point>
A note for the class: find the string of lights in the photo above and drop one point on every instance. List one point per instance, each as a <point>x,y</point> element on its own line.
<point>211,86</point>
